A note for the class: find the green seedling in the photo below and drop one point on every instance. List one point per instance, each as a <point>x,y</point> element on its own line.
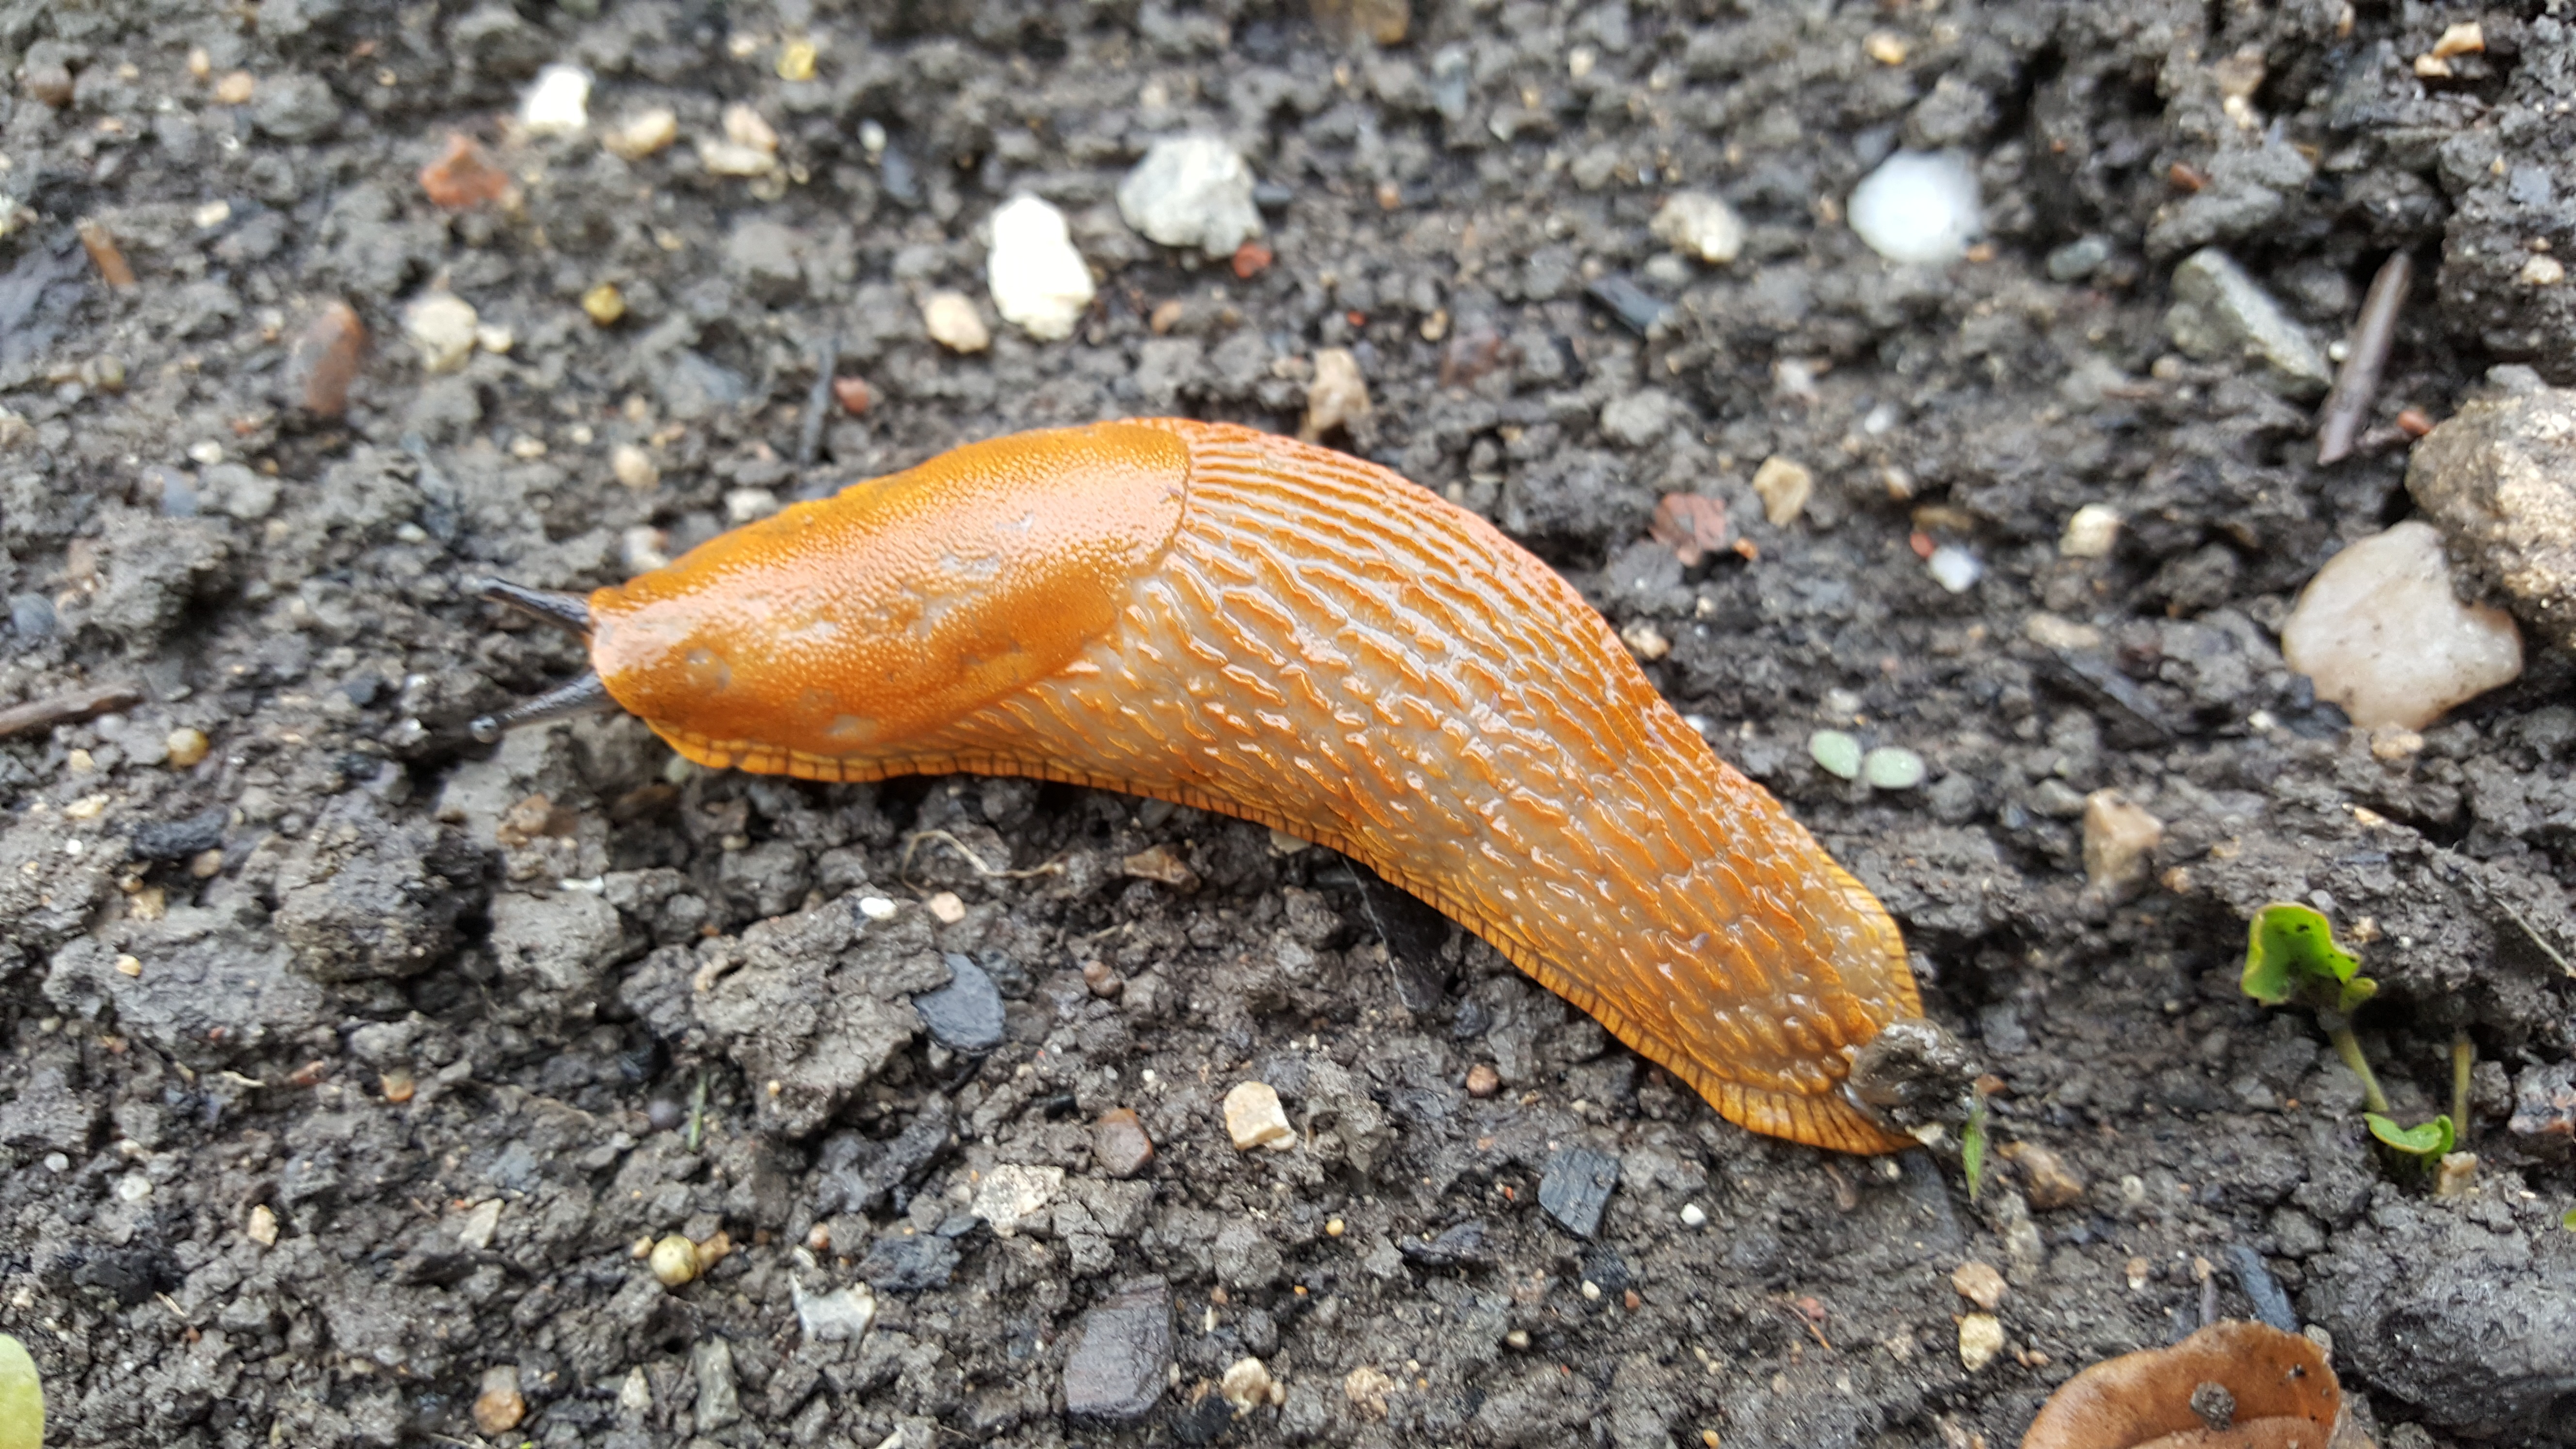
<point>2291,955</point>
<point>22,1398</point>
<point>1972,1145</point>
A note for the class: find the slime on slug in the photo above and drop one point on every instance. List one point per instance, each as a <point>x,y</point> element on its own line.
<point>1225,619</point>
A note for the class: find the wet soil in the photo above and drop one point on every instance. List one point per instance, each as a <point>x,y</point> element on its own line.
<point>349,1069</point>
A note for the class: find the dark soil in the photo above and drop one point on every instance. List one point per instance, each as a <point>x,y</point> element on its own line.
<point>355,980</point>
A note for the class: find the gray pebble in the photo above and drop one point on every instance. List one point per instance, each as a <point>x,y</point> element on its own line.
<point>1576,1187</point>
<point>1121,1352</point>
<point>966,1014</point>
<point>908,1264</point>
<point>296,107</point>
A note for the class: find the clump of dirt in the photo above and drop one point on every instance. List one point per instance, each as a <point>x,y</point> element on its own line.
<point>348,1061</point>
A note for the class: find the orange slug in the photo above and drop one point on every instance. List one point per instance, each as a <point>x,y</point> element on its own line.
<point>1227,619</point>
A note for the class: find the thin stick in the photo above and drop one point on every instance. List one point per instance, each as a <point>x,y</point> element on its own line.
<point>914,841</point>
<point>2356,384</point>
<point>66,707</point>
<point>2463,1058</point>
<point>827,360</point>
<point>2546,949</point>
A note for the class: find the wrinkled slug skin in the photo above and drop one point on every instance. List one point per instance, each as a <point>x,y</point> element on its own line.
<point>1235,621</point>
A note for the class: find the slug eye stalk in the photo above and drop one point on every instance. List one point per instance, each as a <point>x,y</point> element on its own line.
<point>568,612</point>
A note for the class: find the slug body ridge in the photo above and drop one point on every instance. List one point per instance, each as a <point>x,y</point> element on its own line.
<point>1235,621</point>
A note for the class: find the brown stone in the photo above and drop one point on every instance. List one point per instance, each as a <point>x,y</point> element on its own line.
<point>1119,1143</point>
<point>1483,1081</point>
<point>325,359</point>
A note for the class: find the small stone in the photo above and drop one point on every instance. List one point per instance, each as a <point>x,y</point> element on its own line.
<point>2220,314</point>
<point>1576,1187</point>
<point>1119,1144</point>
<point>796,60</point>
<point>1891,768</point>
<point>1346,23</point>
<point>1693,1215</point>
<point>1101,981</point>
<point>1012,1194</point>
<point>1919,206</point>
<point>674,1260</point>
<point>325,358</point>
<point>1192,191</point>
<point>748,505</point>
<point>475,1233</point>
<point>1980,1284</point>
<point>181,838</point>
<point>1162,865</point>
<point>2051,632</point>
<point>1254,1118</point>
<point>1886,47</point>
<point>1784,487</point>
<point>2466,37</point>
<point>1247,1385</point>
<point>558,104</point>
<point>2047,1182</point>
<point>2495,477</point>
<point>2541,271</point>
<point>1283,843</point>
<point>842,1315</point>
<point>952,322</point>
<point>1697,224</point>
<point>1981,1339</point>
<point>296,108</point>
<point>262,1228</point>
<point>719,1395</point>
<point>1366,1389</point>
<point>2078,259</point>
<point>1121,1355</point>
<point>1954,568</point>
<point>499,1407</point>
<point>1338,397</point>
<point>2090,533</point>
<point>947,908</point>
<point>1038,279</point>
<point>604,304</point>
<point>1640,418</point>
<point>1836,753</point>
<point>634,467</point>
<point>966,1014</point>
<point>913,1262</point>
<point>235,89</point>
<point>441,325</point>
<point>1483,1081</point>
<point>2381,633</point>
<point>878,908</point>
<point>1691,525</point>
<point>643,134</point>
<point>1645,641</point>
<point>2119,839</point>
<point>853,395</point>
<point>398,1087</point>
<point>745,127</point>
<point>464,176</point>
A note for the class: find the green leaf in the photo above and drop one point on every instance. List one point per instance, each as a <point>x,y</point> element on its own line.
<point>1972,1145</point>
<point>2427,1143</point>
<point>2291,955</point>
<point>2569,1221</point>
<point>22,1398</point>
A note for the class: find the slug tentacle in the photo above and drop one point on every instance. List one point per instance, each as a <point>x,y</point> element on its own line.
<point>1262,628</point>
<point>586,695</point>
<point>569,612</point>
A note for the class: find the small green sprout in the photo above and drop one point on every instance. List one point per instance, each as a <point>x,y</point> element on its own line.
<point>2427,1144</point>
<point>22,1398</point>
<point>2291,955</point>
<point>1972,1144</point>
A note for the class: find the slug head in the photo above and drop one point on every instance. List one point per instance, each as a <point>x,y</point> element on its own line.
<point>844,626</point>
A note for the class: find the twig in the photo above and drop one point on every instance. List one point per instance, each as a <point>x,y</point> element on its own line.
<point>913,842</point>
<point>809,441</point>
<point>66,707</point>
<point>2356,384</point>
<point>2463,1057</point>
<point>2545,948</point>
<point>105,255</point>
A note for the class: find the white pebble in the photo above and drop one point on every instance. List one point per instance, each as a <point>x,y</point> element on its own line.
<point>952,321</point>
<point>1918,206</point>
<point>558,104</point>
<point>1254,1118</point>
<point>2090,533</point>
<point>1693,1215</point>
<point>1012,1194</point>
<point>2381,633</point>
<point>1955,569</point>
<point>1192,191</point>
<point>744,505</point>
<point>1700,225</point>
<point>1039,280</point>
<point>442,326</point>
<point>876,908</point>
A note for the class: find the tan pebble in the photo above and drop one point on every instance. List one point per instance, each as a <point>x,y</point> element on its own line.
<point>187,746</point>
<point>236,88</point>
<point>1162,865</point>
<point>1886,47</point>
<point>2090,533</point>
<point>2542,272</point>
<point>1366,1387</point>
<point>262,1228</point>
<point>634,467</point>
<point>2051,632</point>
<point>129,965</point>
<point>325,358</point>
<point>643,134</point>
<point>1645,641</point>
<point>947,908</point>
<point>743,126</point>
<point>1980,1284</point>
<point>952,321</point>
<point>796,60</point>
<point>499,1407</point>
<point>2046,1179</point>
<point>206,864</point>
<point>87,807</point>
<point>1338,397</point>
<point>1483,1081</point>
<point>2381,632</point>
<point>1981,1340</point>
<point>1284,843</point>
<point>1254,1118</point>
<point>2135,1270</point>
<point>674,1260</point>
<point>2119,837</point>
<point>1333,1228</point>
<point>604,303</point>
<point>1784,487</point>
<point>398,1087</point>
<point>2393,743</point>
<point>1247,1385</point>
<point>2467,37</point>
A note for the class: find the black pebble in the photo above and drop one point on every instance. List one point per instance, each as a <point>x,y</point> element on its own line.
<point>966,1014</point>
<point>1576,1187</point>
<point>909,1264</point>
<point>178,839</point>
